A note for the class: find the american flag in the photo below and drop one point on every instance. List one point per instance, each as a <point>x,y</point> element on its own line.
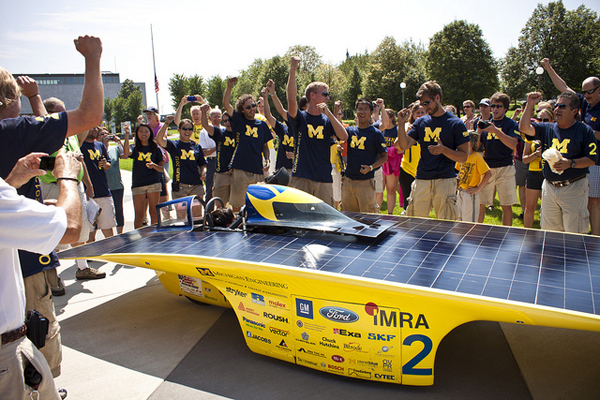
<point>156,88</point>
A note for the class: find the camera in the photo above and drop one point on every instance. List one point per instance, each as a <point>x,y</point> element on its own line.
<point>191,98</point>
<point>47,163</point>
<point>483,124</point>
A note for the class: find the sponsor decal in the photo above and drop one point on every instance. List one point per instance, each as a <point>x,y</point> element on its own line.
<point>243,308</point>
<point>278,332</point>
<point>406,320</point>
<point>274,317</point>
<point>305,336</point>
<point>337,358</point>
<point>384,349</point>
<point>277,304</point>
<point>311,352</point>
<point>283,345</point>
<point>258,299</point>
<point>299,324</point>
<point>386,377</point>
<point>311,326</point>
<point>353,346</point>
<point>254,324</point>
<point>210,298</point>
<point>205,271</point>
<point>308,362</point>
<point>368,363</point>
<point>190,285</point>
<point>387,365</point>
<point>266,283</point>
<point>345,332</point>
<point>359,373</point>
<point>235,292</point>
<point>382,337</point>
<point>335,367</point>
<point>254,336</point>
<point>304,308</point>
<point>338,314</point>
<point>325,342</point>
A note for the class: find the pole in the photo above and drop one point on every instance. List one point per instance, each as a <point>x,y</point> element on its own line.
<point>154,65</point>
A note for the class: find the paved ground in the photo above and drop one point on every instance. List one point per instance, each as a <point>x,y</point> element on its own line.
<point>126,337</point>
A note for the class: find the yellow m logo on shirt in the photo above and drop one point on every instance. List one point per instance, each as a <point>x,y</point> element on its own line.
<point>432,136</point>
<point>144,157</point>
<point>358,142</point>
<point>288,141</point>
<point>188,155</point>
<point>230,142</point>
<point>312,132</point>
<point>94,154</point>
<point>560,146</point>
<point>251,131</point>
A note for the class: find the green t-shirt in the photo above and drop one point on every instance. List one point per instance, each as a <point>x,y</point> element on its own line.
<point>72,144</point>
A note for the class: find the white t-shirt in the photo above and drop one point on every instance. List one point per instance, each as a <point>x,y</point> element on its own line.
<point>206,142</point>
<point>28,225</point>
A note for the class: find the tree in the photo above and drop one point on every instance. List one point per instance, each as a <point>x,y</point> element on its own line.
<point>461,61</point>
<point>307,70</point>
<point>127,105</point>
<point>247,80</point>
<point>215,88</point>
<point>180,86</point>
<point>277,69</point>
<point>108,110</point>
<point>352,89</point>
<point>570,40</point>
<point>513,74</point>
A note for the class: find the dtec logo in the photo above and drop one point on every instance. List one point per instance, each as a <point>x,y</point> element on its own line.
<point>304,308</point>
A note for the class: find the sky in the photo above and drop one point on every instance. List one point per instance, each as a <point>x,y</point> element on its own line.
<point>224,37</point>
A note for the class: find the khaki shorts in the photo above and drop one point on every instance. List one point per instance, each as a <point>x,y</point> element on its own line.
<point>155,187</point>
<point>564,209</point>
<point>437,193</point>
<point>106,218</point>
<point>240,180</point>
<point>222,186</point>
<point>337,183</point>
<point>359,195</point>
<point>189,190</point>
<point>321,190</point>
<point>468,206</point>
<point>378,179</point>
<point>502,182</point>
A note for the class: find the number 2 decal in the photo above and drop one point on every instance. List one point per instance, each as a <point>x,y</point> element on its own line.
<point>593,150</point>
<point>409,367</point>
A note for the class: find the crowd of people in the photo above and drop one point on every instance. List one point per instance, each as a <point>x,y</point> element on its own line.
<point>424,156</point>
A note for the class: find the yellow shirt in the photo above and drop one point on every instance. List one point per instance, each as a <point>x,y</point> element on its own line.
<point>410,160</point>
<point>196,133</point>
<point>535,165</point>
<point>471,172</point>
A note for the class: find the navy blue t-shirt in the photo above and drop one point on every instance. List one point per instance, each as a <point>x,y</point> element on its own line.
<point>575,142</point>
<point>92,153</point>
<point>21,136</point>
<point>140,174</point>
<point>590,115</point>
<point>187,157</point>
<point>390,136</point>
<point>365,146</point>
<point>225,141</point>
<point>251,136</point>
<point>496,154</point>
<point>426,130</point>
<point>286,143</point>
<point>314,137</point>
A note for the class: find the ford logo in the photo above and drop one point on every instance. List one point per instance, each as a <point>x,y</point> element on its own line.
<point>338,314</point>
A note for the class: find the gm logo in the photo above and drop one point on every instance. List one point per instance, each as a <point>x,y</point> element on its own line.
<point>304,308</point>
<point>204,271</point>
<point>338,314</point>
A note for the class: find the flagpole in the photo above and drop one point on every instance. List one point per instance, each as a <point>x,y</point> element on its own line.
<point>154,64</point>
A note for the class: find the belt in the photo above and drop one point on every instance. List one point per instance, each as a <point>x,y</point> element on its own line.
<point>211,158</point>
<point>567,182</point>
<point>9,337</point>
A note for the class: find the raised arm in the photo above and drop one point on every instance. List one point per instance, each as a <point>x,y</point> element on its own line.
<point>292,89</point>
<point>204,109</point>
<point>560,84</point>
<point>184,100</point>
<point>91,108</point>
<point>385,118</point>
<point>403,142</point>
<point>270,119</point>
<point>29,88</point>
<point>339,129</point>
<point>278,106</point>
<point>525,126</point>
<point>126,146</point>
<point>161,136</point>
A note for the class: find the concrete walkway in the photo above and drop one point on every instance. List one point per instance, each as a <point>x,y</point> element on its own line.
<point>126,337</point>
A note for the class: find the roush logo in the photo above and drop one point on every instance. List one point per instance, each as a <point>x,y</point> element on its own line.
<point>275,317</point>
<point>338,314</point>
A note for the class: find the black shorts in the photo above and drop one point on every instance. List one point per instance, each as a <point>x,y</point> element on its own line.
<point>534,180</point>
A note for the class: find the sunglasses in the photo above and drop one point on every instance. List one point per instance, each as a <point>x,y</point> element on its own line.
<point>326,94</point>
<point>467,106</point>
<point>187,129</point>
<point>425,103</point>
<point>545,119</point>
<point>225,121</point>
<point>562,106</point>
<point>591,91</point>
<point>250,106</point>
<point>497,106</point>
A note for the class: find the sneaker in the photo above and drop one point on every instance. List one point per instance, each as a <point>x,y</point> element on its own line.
<point>89,273</point>
<point>59,290</point>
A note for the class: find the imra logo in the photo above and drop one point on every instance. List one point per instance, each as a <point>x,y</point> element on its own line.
<point>381,318</point>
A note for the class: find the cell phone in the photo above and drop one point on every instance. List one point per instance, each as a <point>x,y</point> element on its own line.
<point>47,163</point>
<point>191,98</point>
<point>483,124</point>
<point>111,137</point>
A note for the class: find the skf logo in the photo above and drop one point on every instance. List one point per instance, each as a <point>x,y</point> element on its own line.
<point>358,142</point>
<point>432,136</point>
<point>204,271</point>
<point>560,146</point>
<point>229,142</point>
<point>145,157</point>
<point>94,154</point>
<point>188,155</point>
<point>251,131</point>
<point>318,132</point>
<point>378,336</point>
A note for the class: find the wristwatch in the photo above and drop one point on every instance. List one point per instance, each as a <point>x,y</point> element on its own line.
<point>573,163</point>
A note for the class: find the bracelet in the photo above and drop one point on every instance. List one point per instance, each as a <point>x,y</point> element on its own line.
<point>67,178</point>
<point>37,94</point>
<point>370,166</point>
<point>273,94</point>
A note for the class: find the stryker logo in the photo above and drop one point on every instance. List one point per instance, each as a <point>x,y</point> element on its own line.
<point>344,332</point>
<point>258,299</point>
<point>276,304</point>
<point>253,323</point>
<point>337,358</point>
<point>235,292</point>
<point>256,337</point>
<point>392,321</point>
<point>304,308</point>
<point>378,336</point>
<point>386,377</point>
<point>275,317</point>
<point>338,314</point>
<point>279,332</point>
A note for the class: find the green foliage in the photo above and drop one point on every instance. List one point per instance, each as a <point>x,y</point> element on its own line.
<point>215,88</point>
<point>108,110</point>
<point>461,61</point>
<point>307,70</point>
<point>277,69</point>
<point>181,86</point>
<point>126,106</point>
<point>570,40</point>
